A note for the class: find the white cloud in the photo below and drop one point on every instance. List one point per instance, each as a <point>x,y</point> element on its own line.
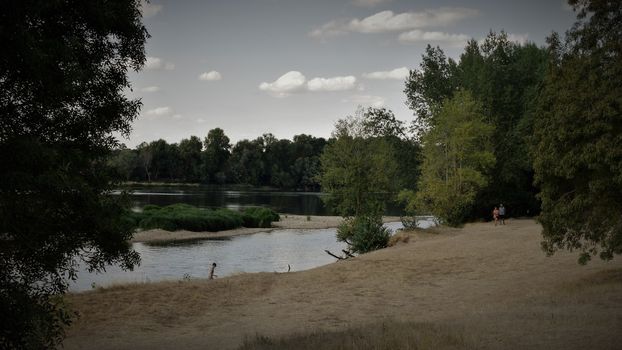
<point>200,120</point>
<point>210,76</point>
<point>149,10</point>
<point>150,89</point>
<point>287,83</point>
<point>177,116</point>
<point>518,38</point>
<point>367,101</point>
<point>330,29</point>
<point>156,63</point>
<point>437,37</point>
<point>388,21</point>
<point>369,3</point>
<point>332,84</point>
<point>397,74</point>
<point>294,81</point>
<point>159,111</point>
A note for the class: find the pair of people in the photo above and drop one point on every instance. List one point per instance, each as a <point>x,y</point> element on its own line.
<point>498,214</point>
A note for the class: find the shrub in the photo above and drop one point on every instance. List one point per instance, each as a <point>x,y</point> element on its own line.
<point>364,234</point>
<point>259,217</point>
<point>187,217</point>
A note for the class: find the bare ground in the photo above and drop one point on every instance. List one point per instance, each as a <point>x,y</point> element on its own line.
<point>491,286</point>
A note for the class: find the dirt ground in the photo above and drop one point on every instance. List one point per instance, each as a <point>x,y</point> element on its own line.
<point>493,285</point>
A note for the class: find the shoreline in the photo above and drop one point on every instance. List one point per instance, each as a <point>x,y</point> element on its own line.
<point>287,222</point>
<point>491,286</point>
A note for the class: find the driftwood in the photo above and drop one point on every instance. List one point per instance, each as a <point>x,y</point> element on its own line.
<point>346,253</point>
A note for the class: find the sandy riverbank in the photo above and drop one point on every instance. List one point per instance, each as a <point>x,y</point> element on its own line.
<point>491,287</point>
<point>287,222</point>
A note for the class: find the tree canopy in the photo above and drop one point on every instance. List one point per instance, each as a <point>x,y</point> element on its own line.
<point>578,135</point>
<point>505,78</point>
<point>62,74</point>
<point>458,157</point>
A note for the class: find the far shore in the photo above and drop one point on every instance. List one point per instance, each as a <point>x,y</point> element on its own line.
<point>288,221</point>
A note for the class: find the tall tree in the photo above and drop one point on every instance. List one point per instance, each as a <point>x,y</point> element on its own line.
<point>63,71</point>
<point>246,162</point>
<point>578,134</point>
<point>505,77</point>
<point>457,160</point>
<point>190,158</point>
<point>356,170</point>
<point>216,155</point>
<point>357,174</point>
<point>427,87</point>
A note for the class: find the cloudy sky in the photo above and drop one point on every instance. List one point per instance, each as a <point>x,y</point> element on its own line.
<point>292,66</point>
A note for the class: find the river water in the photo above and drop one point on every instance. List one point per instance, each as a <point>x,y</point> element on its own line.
<point>301,203</point>
<point>260,252</point>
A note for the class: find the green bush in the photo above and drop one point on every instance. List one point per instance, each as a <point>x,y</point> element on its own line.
<point>149,207</point>
<point>364,234</point>
<point>186,217</point>
<point>259,217</point>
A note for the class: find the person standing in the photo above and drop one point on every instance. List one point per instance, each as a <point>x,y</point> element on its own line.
<point>211,271</point>
<point>495,215</point>
<point>501,214</point>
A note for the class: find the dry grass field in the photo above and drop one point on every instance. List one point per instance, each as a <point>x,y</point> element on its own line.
<point>479,287</point>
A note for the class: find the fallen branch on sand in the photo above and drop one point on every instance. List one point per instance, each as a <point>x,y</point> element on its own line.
<point>346,253</point>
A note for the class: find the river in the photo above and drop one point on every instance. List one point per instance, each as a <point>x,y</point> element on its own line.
<point>259,252</point>
<point>275,251</point>
<point>301,203</point>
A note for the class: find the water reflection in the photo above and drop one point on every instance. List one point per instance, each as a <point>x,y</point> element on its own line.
<point>301,203</point>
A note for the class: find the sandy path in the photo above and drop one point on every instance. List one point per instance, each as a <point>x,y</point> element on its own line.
<point>493,284</point>
<point>287,221</point>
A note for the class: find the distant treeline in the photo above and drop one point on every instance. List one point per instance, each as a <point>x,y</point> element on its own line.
<point>264,161</point>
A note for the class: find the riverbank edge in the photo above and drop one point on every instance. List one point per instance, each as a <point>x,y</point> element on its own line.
<point>288,221</point>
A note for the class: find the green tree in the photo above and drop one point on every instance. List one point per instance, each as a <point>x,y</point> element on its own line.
<point>427,87</point>
<point>63,74</point>
<point>578,131</point>
<point>357,175</point>
<point>190,158</point>
<point>457,158</point>
<point>145,158</point>
<point>505,77</point>
<point>124,161</point>
<point>406,151</point>
<point>246,162</point>
<point>355,172</point>
<point>216,155</point>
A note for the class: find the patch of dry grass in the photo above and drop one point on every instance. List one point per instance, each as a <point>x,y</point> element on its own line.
<point>388,335</point>
<point>400,236</point>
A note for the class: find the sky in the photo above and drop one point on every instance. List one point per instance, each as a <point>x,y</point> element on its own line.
<point>289,67</point>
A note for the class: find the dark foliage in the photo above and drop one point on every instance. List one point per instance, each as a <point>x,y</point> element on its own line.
<point>578,132</point>
<point>505,77</point>
<point>62,72</point>
<point>187,217</point>
<point>264,161</point>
